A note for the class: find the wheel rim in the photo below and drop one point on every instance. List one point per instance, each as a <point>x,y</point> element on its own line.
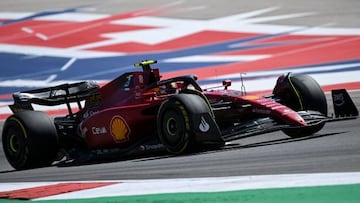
<point>173,128</point>
<point>14,143</point>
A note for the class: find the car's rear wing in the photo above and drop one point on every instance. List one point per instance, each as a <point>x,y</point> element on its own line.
<point>52,96</point>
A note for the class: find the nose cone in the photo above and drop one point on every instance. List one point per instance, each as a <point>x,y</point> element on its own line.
<point>293,118</point>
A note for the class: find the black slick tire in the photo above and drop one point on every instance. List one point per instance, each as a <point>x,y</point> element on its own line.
<point>29,140</point>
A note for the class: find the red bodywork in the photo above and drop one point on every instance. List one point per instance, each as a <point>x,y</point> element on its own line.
<point>124,111</point>
<point>120,113</point>
<point>257,106</point>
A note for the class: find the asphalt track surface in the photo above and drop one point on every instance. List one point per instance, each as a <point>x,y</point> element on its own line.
<point>336,148</point>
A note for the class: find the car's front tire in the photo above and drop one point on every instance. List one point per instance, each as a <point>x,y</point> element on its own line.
<point>302,93</point>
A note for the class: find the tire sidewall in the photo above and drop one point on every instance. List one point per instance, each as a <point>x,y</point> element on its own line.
<point>173,111</point>
<point>312,96</point>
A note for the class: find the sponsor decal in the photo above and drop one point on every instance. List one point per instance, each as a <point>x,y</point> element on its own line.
<point>89,113</point>
<point>339,99</point>
<point>119,129</point>
<point>98,131</point>
<point>83,131</point>
<point>204,126</point>
<point>151,147</point>
<point>286,112</point>
<point>261,111</point>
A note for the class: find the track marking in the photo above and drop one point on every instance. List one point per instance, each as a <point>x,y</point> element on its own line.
<point>187,185</point>
<point>52,189</point>
<point>68,64</point>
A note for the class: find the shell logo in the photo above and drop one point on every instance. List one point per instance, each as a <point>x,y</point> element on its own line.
<point>119,129</point>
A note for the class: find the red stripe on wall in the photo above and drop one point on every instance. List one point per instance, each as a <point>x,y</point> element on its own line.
<point>6,96</point>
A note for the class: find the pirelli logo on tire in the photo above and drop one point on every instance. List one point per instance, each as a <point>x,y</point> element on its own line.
<point>119,129</point>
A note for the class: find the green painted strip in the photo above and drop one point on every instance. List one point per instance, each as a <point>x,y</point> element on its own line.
<point>326,194</point>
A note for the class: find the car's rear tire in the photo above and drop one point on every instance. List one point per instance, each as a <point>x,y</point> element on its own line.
<point>302,93</point>
<point>29,140</point>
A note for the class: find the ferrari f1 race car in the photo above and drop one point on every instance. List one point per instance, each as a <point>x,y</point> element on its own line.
<point>139,113</point>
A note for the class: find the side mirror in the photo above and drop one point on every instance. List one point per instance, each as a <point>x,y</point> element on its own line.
<point>226,83</point>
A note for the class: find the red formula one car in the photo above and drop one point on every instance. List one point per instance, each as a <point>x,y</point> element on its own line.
<point>139,113</point>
